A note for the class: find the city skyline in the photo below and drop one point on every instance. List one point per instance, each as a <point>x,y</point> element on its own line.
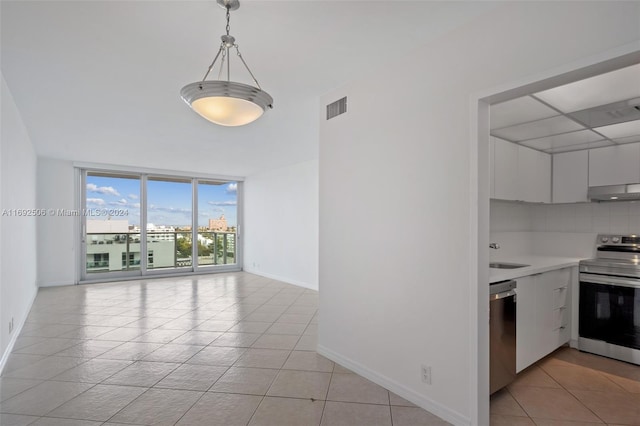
<point>169,202</point>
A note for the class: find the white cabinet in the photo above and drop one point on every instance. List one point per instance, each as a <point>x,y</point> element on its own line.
<point>614,165</point>
<point>534,176</point>
<point>526,333</point>
<point>570,177</point>
<point>492,169</point>
<point>505,164</point>
<point>520,173</point>
<point>542,315</point>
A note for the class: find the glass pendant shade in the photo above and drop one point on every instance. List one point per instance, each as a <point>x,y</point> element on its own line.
<point>226,103</point>
<point>227,111</point>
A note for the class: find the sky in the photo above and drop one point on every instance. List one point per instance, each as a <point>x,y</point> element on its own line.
<point>169,203</point>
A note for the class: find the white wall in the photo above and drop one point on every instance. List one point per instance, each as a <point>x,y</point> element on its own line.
<point>395,196</point>
<point>559,229</point>
<point>18,255</point>
<point>56,250</point>
<point>510,216</point>
<point>281,224</point>
<point>621,217</point>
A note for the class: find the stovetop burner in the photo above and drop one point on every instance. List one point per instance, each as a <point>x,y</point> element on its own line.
<point>617,255</point>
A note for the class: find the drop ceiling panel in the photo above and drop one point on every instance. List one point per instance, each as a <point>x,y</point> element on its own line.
<point>520,110</point>
<point>566,139</point>
<point>628,139</point>
<point>606,88</point>
<point>620,130</point>
<point>538,129</point>
<point>589,145</point>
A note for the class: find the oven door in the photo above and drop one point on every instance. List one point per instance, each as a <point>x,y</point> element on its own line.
<point>610,309</point>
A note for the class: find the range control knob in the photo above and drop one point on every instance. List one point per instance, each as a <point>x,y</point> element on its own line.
<point>616,240</point>
<point>604,239</point>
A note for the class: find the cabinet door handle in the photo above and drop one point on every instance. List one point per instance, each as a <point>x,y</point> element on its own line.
<point>560,288</point>
<point>560,308</point>
<point>562,327</point>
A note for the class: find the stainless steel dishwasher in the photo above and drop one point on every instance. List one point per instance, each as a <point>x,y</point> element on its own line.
<point>502,334</point>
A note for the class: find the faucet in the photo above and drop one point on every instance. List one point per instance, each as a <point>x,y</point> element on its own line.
<point>494,246</point>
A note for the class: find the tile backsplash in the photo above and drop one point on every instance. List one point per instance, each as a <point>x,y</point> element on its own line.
<point>609,217</point>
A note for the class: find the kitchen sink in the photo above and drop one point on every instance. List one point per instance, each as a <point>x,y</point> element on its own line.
<point>504,265</point>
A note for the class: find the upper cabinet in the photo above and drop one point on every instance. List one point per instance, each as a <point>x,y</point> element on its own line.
<point>519,173</point>
<point>505,165</point>
<point>534,175</point>
<point>614,165</point>
<point>570,177</point>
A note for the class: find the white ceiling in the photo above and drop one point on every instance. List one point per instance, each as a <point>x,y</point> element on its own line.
<point>99,81</point>
<point>546,120</point>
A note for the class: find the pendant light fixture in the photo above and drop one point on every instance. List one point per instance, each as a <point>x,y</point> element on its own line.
<point>226,102</point>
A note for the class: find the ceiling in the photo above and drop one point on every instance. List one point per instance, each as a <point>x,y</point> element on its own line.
<point>99,81</point>
<point>595,112</point>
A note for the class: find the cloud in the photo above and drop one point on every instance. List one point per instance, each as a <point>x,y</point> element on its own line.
<point>91,187</point>
<point>155,208</point>
<point>95,201</point>
<point>232,188</point>
<point>223,203</point>
<point>122,202</point>
<point>133,196</point>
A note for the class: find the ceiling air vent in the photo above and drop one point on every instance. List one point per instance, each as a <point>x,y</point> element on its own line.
<point>336,108</point>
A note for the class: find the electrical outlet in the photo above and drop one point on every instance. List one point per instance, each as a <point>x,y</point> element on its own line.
<point>11,326</point>
<point>425,374</point>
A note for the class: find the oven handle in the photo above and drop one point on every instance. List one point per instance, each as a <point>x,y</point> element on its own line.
<point>609,280</point>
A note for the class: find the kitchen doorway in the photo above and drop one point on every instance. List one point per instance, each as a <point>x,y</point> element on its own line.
<point>608,61</point>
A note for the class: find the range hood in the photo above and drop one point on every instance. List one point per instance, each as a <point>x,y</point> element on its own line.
<point>615,192</point>
<point>605,115</point>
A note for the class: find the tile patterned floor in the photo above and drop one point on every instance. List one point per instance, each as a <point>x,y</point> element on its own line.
<point>571,388</point>
<point>226,349</point>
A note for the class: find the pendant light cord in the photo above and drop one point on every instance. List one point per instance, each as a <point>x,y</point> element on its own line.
<point>224,50</point>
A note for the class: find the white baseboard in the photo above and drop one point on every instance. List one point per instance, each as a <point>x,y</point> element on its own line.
<point>283,279</point>
<point>433,407</point>
<point>16,332</point>
<point>55,283</point>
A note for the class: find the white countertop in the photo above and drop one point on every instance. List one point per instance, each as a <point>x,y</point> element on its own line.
<point>537,265</point>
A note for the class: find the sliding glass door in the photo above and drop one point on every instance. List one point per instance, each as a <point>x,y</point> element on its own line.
<point>144,224</point>
<point>169,223</point>
<point>217,223</point>
<point>111,216</point>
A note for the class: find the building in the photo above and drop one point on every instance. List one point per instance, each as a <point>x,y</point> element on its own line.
<point>409,141</point>
<point>219,224</point>
<point>113,246</point>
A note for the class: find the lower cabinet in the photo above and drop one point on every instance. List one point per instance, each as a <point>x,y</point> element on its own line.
<point>542,315</point>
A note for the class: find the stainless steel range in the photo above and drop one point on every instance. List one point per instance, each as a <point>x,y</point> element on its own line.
<point>609,319</point>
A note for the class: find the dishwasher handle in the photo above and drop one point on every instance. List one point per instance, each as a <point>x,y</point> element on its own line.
<point>503,295</point>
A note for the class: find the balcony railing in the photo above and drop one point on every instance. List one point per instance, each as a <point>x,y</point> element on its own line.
<point>172,249</point>
<point>98,264</point>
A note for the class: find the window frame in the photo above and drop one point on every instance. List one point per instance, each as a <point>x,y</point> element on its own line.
<point>85,170</point>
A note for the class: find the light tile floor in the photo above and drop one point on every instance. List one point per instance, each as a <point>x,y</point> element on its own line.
<point>570,388</point>
<point>225,349</point>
